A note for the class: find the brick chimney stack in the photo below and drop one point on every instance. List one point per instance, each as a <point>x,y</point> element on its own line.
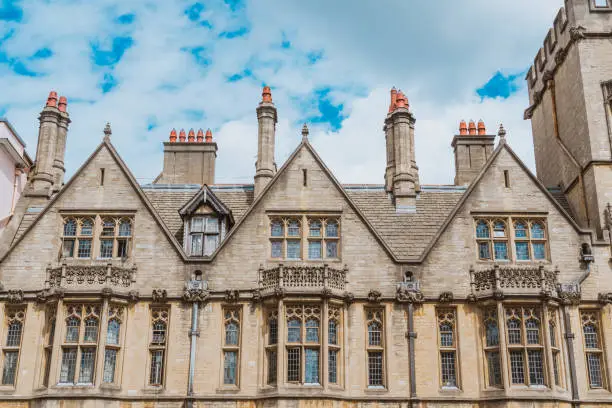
<point>265,167</point>
<point>191,160</point>
<point>472,147</point>
<point>60,149</point>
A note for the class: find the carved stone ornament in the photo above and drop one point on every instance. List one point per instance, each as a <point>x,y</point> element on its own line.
<point>569,297</point>
<point>279,293</point>
<point>560,56</point>
<point>159,295</point>
<point>577,33</point>
<point>15,296</point>
<point>605,298</point>
<point>326,292</point>
<point>547,76</point>
<point>256,296</point>
<point>374,296</point>
<point>195,295</point>
<point>348,297</point>
<point>232,295</point>
<point>403,295</point>
<point>133,295</point>
<point>446,297</point>
<point>498,294</point>
<point>42,296</point>
<point>107,292</point>
<point>471,298</point>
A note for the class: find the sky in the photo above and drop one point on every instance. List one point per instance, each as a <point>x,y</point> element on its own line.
<point>150,66</point>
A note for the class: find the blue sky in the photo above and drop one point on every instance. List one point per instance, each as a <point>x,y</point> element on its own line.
<point>150,66</point>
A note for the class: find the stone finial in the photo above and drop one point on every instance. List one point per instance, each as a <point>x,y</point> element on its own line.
<point>182,136</point>
<point>173,136</point>
<point>200,136</point>
<point>393,99</point>
<point>501,132</point>
<point>52,99</point>
<point>266,95</point>
<point>482,130</point>
<point>472,128</point>
<point>305,132</point>
<point>463,130</point>
<point>107,131</point>
<point>63,103</point>
<point>208,136</point>
<point>191,136</point>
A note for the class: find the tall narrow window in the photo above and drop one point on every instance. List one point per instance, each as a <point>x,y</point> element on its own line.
<point>375,348</point>
<point>85,238</point>
<point>303,343</point>
<point>333,344</point>
<point>272,346</point>
<point>555,345</point>
<point>111,352</point>
<point>447,342</point>
<point>491,344</point>
<point>231,346</point>
<point>80,344</point>
<point>525,346</point>
<point>15,318</point>
<point>49,336</point>
<point>157,346</point>
<point>69,237</point>
<point>107,238</point>
<point>593,348</point>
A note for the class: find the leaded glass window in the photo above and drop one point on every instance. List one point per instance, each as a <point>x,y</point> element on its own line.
<point>375,348</point>
<point>525,346</point>
<point>592,347</point>
<point>231,346</point>
<point>448,347</point>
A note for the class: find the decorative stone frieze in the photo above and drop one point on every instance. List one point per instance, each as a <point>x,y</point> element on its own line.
<point>77,275</point>
<point>525,280</point>
<point>569,293</point>
<point>302,279</point>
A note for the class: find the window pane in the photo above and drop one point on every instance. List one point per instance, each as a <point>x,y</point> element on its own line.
<point>294,331</point>
<point>601,3</point>
<point>332,249</point>
<point>553,337</point>
<point>112,334</point>
<point>293,365</point>
<point>197,224</point>
<point>229,367</point>
<point>483,250</point>
<point>536,371</point>
<point>91,330</point>
<point>212,225</point>
<point>231,334</point>
<point>159,333</point>
<point>594,366</point>
<point>68,248</point>
<point>501,250</point>
<point>514,332</point>
<point>446,335</point>
<point>520,230</point>
<point>48,355</point>
<point>210,244</point>
<point>273,334</point>
<point>157,367</point>
<point>272,361</point>
<point>499,229</point>
<point>108,228</point>
<point>72,329</point>
<point>533,331</point>
<point>10,367</point>
<point>315,229</point>
<point>196,244</point>
<point>88,356</point>
<point>312,330</point>
<point>374,334</point>
<point>122,248</point>
<point>70,228</point>
<point>539,250</point>
<point>277,249</point>
<point>276,229</point>
<point>332,364</point>
<point>590,336</point>
<point>331,229</point>
<point>556,368</point>
<point>87,227</point>
<point>494,368</point>
<point>84,248</point>
<point>447,362</point>
<point>293,249</point>
<point>314,250</point>
<point>293,228</point>
<point>492,334</point>
<point>312,366</point>
<point>522,251</point>
<point>517,367</point>
<point>375,368</point>
<point>110,361</point>
<point>537,231</point>
<point>482,230</point>
<point>68,366</point>
<point>13,336</point>
<point>332,332</point>
<point>106,248</point>
<point>125,228</point>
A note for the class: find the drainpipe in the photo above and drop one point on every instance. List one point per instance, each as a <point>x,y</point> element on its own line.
<point>192,352</point>
<point>569,340</point>
<point>411,336</point>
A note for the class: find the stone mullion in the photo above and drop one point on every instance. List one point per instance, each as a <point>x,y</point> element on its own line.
<point>280,354</point>
<point>547,348</point>
<point>344,352</point>
<point>324,344</point>
<point>503,347</point>
<point>56,355</point>
<point>99,362</point>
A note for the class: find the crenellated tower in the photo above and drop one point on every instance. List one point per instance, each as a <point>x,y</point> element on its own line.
<point>570,96</point>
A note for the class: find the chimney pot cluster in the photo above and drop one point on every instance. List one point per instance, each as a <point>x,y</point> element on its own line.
<point>398,100</point>
<point>191,137</point>
<point>472,129</point>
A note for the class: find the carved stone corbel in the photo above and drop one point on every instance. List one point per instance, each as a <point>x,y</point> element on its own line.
<point>471,298</point>
<point>349,298</point>
<point>107,292</point>
<point>159,295</point>
<point>15,296</point>
<point>403,295</point>
<point>570,297</point>
<point>605,298</point>
<point>279,293</point>
<point>577,33</point>
<point>498,295</point>
<point>560,56</point>
<point>42,296</point>
<point>374,296</point>
<point>446,297</point>
<point>232,295</point>
<point>133,296</point>
<point>326,293</point>
<point>195,295</point>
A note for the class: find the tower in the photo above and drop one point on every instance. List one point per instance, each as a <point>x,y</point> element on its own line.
<point>266,118</point>
<point>570,96</point>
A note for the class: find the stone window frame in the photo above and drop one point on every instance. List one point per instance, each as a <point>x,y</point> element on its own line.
<point>594,7</point>
<point>158,314</point>
<point>96,237</point>
<point>334,314</point>
<point>592,318</point>
<point>304,237</point>
<point>304,312</point>
<point>448,316</point>
<point>116,312</point>
<point>492,349</point>
<point>49,338</point>
<point>231,314</point>
<point>14,316</point>
<point>271,347</point>
<point>204,233</point>
<point>83,312</point>
<point>511,239</point>
<point>556,351</point>
<point>375,315</point>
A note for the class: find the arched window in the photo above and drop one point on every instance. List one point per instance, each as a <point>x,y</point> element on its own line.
<point>492,333</point>
<point>125,228</point>
<point>294,331</point>
<point>375,348</point>
<point>87,227</point>
<point>482,229</point>
<point>521,240</point>
<point>72,329</point>
<point>70,227</point>
<point>312,330</point>
<point>374,334</point>
<point>273,331</point>
<point>331,229</point>
<point>492,355</point>
<point>593,349</point>
<point>159,332</point>
<point>520,229</point>
<point>13,337</point>
<point>514,331</point>
<point>446,335</point>
<point>231,333</point>
<point>91,330</point>
<point>532,327</point>
<point>112,334</point>
<point>277,228</point>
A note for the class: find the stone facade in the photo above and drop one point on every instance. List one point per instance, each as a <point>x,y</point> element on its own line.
<point>298,291</point>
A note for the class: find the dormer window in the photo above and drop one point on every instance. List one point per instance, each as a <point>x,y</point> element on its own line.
<point>204,235</point>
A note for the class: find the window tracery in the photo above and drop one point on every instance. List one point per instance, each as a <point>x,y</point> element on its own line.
<point>157,346</point>
<point>290,236</point>
<point>113,345</point>
<point>80,318</point>
<point>375,348</point>
<point>492,356</point>
<point>231,346</point>
<point>493,237</point>
<point>591,331</point>
<point>447,343</point>
<point>15,319</point>
<point>303,343</point>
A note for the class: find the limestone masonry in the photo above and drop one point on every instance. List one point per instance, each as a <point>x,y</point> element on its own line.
<point>296,291</point>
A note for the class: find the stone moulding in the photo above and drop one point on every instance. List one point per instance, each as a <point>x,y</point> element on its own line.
<point>316,279</point>
<point>499,281</point>
<point>77,275</point>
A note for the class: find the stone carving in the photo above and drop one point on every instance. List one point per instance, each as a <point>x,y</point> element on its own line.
<point>326,292</point>
<point>90,274</point>
<point>405,295</point>
<point>41,296</point>
<point>374,296</point>
<point>547,76</point>
<point>608,216</point>
<point>498,294</point>
<point>349,298</point>
<point>302,276</point>
<point>159,295</point>
<point>570,297</point>
<point>107,292</point>
<point>446,297</point>
<point>15,296</point>
<point>471,298</point>
<point>522,279</point>
<point>232,295</point>
<point>577,33</point>
<point>279,293</point>
<point>605,298</point>
<point>195,295</point>
<point>256,296</point>
<point>133,296</point>
<point>560,56</point>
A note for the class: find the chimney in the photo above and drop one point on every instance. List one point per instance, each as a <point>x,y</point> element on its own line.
<point>388,129</point>
<point>265,168</point>
<point>44,174</point>
<point>472,147</point>
<point>399,127</point>
<point>60,148</point>
<point>189,162</point>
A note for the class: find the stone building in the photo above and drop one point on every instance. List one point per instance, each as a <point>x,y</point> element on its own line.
<point>298,291</point>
